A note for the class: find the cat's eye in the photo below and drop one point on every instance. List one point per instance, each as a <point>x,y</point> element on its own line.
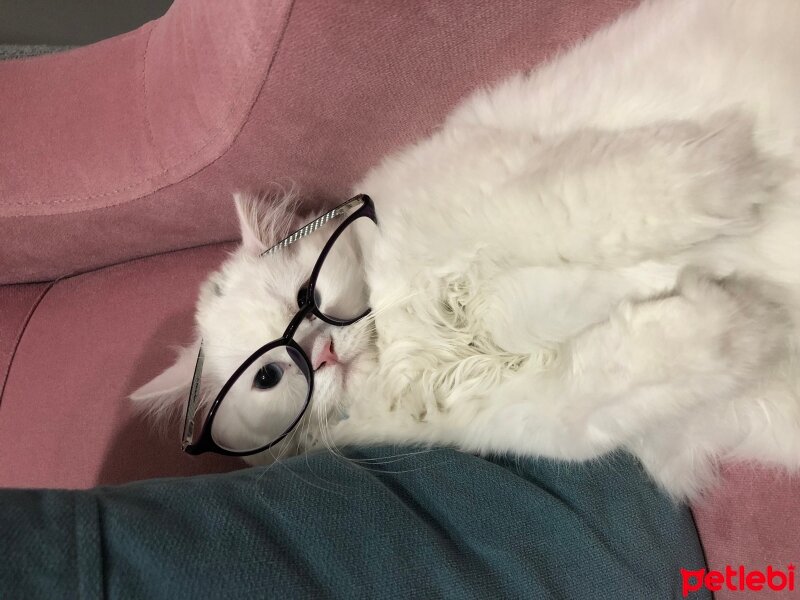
<point>268,376</point>
<point>302,297</point>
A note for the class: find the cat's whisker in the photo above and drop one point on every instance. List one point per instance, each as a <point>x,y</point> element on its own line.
<point>276,458</point>
<point>283,450</point>
<point>327,438</point>
<point>389,458</point>
<point>366,463</point>
<point>305,427</point>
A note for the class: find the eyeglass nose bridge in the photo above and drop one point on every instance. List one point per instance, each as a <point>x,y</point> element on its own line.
<point>294,324</point>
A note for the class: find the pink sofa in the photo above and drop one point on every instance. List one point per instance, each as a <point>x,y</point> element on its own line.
<point>116,168</point>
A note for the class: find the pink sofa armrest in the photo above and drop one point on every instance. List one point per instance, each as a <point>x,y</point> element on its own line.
<point>89,135</point>
<point>132,146</point>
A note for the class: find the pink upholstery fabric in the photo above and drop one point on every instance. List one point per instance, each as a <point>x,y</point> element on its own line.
<point>147,134</point>
<point>135,112</point>
<point>64,419</point>
<point>17,303</point>
<point>753,519</point>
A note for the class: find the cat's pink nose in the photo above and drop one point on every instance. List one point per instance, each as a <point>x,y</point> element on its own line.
<point>324,354</point>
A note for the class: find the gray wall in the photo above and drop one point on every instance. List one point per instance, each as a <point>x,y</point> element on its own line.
<point>73,22</point>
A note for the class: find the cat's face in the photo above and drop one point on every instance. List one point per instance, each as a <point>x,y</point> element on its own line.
<point>250,302</point>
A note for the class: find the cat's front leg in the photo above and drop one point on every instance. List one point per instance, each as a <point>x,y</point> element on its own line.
<point>616,198</point>
<point>650,362</point>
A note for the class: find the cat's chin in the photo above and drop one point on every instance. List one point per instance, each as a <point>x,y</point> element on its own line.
<point>330,379</point>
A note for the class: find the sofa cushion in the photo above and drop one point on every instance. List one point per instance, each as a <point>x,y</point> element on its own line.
<point>64,418</point>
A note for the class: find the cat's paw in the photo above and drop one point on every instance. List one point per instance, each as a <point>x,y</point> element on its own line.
<point>729,178</point>
<point>718,335</point>
<point>753,328</point>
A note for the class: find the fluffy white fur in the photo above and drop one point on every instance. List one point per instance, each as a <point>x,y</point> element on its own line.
<point>601,254</point>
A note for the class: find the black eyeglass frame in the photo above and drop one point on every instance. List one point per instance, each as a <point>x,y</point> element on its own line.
<point>205,442</point>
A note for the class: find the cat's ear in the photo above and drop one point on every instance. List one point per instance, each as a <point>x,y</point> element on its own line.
<point>265,219</point>
<point>249,211</point>
<point>167,393</point>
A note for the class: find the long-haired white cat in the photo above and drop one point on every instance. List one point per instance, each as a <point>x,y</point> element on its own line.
<point>602,254</point>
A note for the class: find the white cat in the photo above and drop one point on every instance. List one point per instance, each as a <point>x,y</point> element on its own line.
<point>602,254</point>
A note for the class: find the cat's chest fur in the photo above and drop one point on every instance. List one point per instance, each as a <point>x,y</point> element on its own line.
<point>451,327</point>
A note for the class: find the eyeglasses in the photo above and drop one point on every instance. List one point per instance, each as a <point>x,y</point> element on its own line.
<point>249,423</point>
